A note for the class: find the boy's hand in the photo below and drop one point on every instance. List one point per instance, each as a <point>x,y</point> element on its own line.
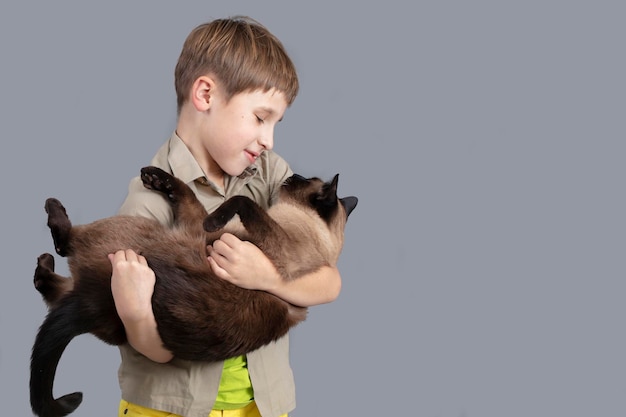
<point>242,263</point>
<point>132,284</point>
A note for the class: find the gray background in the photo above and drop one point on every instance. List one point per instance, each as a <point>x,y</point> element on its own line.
<point>483,269</point>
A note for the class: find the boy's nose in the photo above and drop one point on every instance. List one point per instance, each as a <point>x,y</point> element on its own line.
<point>267,140</point>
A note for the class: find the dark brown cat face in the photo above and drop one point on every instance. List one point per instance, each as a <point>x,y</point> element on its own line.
<point>320,196</point>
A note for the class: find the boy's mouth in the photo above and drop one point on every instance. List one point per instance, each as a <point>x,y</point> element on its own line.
<point>252,156</point>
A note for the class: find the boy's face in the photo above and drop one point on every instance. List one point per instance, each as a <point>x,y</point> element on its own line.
<point>239,130</point>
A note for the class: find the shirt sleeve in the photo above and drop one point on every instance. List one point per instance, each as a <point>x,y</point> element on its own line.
<point>146,203</point>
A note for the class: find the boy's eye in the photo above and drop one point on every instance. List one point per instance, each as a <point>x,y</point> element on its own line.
<point>259,119</point>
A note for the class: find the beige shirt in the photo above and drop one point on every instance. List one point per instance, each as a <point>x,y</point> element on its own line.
<point>189,388</point>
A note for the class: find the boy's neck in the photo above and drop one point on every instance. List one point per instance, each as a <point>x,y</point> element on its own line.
<point>210,168</point>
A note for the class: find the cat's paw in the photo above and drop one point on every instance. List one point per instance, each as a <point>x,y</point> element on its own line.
<point>51,286</point>
<point>54,206</point>
<point>214,222</point>
<point>43,272</point>
<point>156,179</point>
<point>59,224</point>
<point>45,262</point>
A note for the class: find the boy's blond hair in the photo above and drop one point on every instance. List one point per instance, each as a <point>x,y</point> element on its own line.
<point>241,53</point>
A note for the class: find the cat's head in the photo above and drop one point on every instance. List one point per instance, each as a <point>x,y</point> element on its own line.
<point>321,197</point>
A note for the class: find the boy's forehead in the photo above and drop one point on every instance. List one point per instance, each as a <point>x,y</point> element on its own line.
<point>272,94</point>
<point>272,101</point>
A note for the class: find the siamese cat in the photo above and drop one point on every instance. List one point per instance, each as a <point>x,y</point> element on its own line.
<point>199,316</point>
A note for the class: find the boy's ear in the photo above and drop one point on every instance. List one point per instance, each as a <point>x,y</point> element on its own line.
<point>201,92</point>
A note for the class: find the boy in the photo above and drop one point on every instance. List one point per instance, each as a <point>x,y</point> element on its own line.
<point>233,82</point>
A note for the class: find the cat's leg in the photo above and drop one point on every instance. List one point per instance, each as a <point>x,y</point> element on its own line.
<point>261,229</point>
<point>188,211</point>
<point>256,220</point>
<point>59,225</point>
<point>50,285</point>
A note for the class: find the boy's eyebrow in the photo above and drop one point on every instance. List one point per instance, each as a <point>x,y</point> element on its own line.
<point>270,111</point>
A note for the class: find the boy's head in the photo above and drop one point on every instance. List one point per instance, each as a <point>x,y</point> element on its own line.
<point>239,52</point>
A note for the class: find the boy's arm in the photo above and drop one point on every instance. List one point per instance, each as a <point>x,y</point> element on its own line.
<point>245,265</point>
<point>319,287</point>
<point>132,284</point>
<point>132,281</point>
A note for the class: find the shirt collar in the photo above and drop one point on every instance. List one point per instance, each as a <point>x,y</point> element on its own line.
<point>249,172</point>
<point>185,167</point>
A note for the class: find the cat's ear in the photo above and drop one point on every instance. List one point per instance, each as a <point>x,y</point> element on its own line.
<point>325,201</point>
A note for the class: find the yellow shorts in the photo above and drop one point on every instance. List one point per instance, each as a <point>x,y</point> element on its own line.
<point>133,410</point>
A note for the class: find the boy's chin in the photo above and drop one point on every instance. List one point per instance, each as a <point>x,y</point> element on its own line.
<point>240,171</point>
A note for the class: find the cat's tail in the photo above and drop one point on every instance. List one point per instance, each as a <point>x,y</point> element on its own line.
<point>62,324</point>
